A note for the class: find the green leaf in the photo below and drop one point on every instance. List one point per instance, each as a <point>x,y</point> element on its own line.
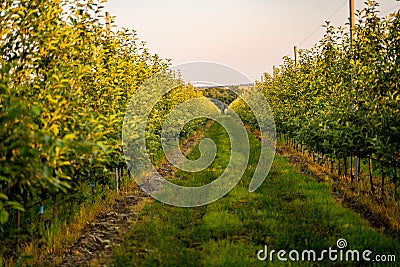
<point>14,110</point>
<point>68,137</point>
<point>15,205</point>
<point>36,110</point>
<point>3,216</point>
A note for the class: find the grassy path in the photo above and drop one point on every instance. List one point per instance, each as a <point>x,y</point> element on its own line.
<point>288,212</point>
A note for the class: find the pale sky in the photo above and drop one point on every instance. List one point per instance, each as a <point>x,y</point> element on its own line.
<point>248,35</point>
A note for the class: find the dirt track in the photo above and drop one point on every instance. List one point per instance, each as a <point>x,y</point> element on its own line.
<point>99,238</point>
<point>96,245</point>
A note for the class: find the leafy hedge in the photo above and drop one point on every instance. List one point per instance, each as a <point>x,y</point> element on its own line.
<point>343,102</point>
<point>65,84</point>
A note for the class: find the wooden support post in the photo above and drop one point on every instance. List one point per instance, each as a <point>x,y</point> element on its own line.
<point>296,56</point>
<point>370,166</point>
<point>357,168</point>
<point>116,178</point>
<point>92,185</point>
<point>352,21</point>
<point>108,27</point>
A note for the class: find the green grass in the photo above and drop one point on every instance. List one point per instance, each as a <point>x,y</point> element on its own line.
<point>216,168</point>
<point>289,211</point>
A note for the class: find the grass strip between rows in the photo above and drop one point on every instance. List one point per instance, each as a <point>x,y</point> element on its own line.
<point>290,211</point>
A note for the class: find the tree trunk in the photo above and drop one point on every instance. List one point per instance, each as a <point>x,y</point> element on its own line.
<point>395,181</point>
<point>383,180</point>
<point>351,169</point>
<point>54,206</point>
<point>18,227</point>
